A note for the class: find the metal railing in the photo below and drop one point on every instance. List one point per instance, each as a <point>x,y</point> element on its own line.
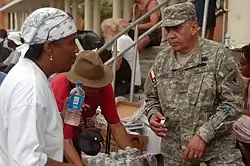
<point>204,24</point>
<point>132,25</point>
<point>137,39</point>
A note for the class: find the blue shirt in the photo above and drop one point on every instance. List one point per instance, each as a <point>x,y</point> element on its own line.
<point>211,19</point>
<point>2,76</point>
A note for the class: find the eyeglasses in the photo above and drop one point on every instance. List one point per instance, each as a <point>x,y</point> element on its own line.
<point>69,17</point>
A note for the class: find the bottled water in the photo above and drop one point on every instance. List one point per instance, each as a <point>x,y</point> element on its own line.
<point>227,40</point>
<point>74,110</point>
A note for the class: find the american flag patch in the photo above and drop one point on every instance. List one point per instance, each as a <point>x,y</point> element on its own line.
<point>152,77</point>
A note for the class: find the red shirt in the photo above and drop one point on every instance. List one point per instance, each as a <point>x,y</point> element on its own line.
<point>105,99</point>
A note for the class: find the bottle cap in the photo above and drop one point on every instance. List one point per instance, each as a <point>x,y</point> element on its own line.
<point>78,84</point>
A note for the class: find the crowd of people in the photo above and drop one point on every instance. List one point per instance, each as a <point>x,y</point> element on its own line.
<point>196,95</point>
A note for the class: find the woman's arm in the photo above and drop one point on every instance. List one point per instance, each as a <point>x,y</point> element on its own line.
<point>118,63</point>
<point>51,162</point>
<point>133,15</point>
<point>108,107</point>
<point>71,154</point>
<point>120,135</point>
<point>61,90</point>
<point>154,17</point>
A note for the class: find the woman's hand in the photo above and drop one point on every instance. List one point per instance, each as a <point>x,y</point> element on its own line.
<point>120,135</point>
<point>64,108</point>
<point>77,114</point>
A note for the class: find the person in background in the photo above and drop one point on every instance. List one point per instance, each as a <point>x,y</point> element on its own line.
<point>2,76</point>
<point>90,41</point>
<point>31,128</point>
<point>241,127</point>
<point>194,95</point>
<point>3,34</point>
<point>140,8</point>
<point>96,78</point>
<point>14,40</point>
<point>110,28</point>
<point>211,19</point>
<point>4,49</point>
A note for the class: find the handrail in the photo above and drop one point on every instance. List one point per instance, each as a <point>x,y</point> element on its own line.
<point>114,58</point>
<point>132,25</point>
<point>204,24</point>
<point>114,54</point>
<point>135,42</point>
<point>132,81</point>
<point>224,22</point>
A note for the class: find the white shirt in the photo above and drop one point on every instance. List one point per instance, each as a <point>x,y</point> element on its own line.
<point>5,43</point>
<point>123,43</point>
<point>13,58</point>
<point>31,128</point>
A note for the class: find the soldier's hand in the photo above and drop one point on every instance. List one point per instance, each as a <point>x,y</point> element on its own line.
<point>156,126</point>
<point>195,148</point>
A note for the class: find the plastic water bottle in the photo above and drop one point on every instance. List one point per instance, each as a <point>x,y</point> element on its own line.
<point>227,40</point>
<point>76,101</point>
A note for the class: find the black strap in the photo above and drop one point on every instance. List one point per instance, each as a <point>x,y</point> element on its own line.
<point>1,49</point>
<point>108,138</point>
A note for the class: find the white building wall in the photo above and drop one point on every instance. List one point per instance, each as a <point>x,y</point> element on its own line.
<point>239,23</point>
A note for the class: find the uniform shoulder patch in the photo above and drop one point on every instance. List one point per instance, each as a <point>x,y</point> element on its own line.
<point>152,77</point>
<point>237,82</point>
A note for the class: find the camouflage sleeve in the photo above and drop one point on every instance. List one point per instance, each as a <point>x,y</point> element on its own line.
<point>229,85</point>
<point>150,87</point>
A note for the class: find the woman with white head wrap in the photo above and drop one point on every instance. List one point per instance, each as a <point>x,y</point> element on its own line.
<point>30,125</point>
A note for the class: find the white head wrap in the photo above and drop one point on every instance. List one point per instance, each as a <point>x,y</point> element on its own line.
<point>45,24</point>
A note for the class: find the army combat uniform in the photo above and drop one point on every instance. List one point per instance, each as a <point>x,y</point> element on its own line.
<point>203,97</point>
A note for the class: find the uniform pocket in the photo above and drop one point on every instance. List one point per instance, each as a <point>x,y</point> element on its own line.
<point>194,88</point>
<point>166,88</point>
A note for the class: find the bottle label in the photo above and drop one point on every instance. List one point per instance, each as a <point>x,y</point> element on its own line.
<point>75,102</point>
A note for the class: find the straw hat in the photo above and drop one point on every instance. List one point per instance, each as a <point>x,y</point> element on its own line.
<point>89,70</point>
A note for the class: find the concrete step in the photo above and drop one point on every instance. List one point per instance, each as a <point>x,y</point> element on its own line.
<point>147,57</point>
<point>150,53</point>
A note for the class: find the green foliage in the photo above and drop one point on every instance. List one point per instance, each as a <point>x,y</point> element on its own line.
<point>106,9</point>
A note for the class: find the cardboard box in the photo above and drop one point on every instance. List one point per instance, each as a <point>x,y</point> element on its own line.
<point>125,110</point>
<point>137,141</point>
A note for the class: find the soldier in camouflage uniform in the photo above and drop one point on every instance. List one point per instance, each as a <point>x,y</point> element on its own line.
<point>194,85</point>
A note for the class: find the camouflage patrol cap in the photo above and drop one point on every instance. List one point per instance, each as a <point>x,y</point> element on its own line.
<point>177,14</point>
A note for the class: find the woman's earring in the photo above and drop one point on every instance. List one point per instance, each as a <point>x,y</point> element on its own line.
<point>51,58</point>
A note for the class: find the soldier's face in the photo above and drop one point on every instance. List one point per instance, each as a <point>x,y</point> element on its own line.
<point>180,37</point>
